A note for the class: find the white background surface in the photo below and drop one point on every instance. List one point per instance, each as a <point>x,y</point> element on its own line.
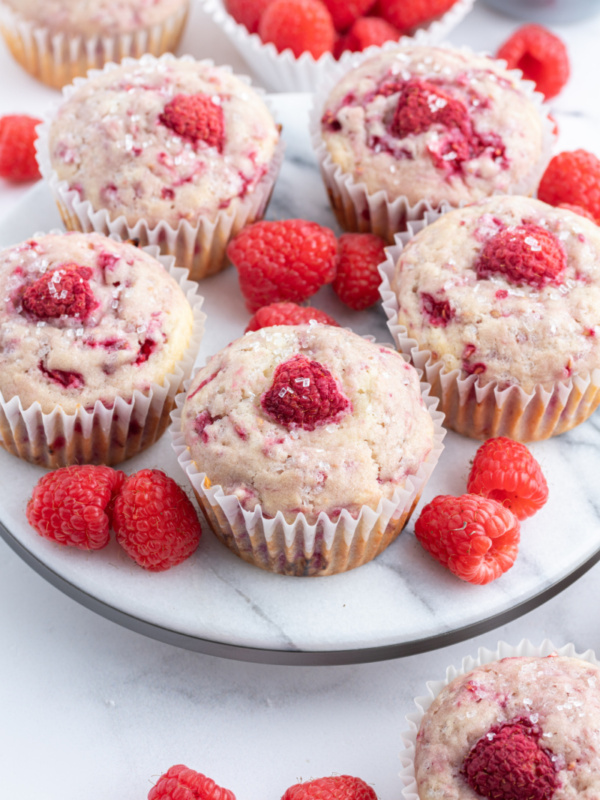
<point>90,711</point>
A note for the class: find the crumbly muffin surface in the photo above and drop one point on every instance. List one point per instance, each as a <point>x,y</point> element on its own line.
<point>468,129</point>
<point>558,696</point>
<point>379,434</point>
<point>495,326</point>
<point>131,328</point>
<point>110,143</point>
<point>96,17</point>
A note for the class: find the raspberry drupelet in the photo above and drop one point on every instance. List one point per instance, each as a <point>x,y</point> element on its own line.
<point>434,124</point>
<point>86,319</point>
<point>522,728</point>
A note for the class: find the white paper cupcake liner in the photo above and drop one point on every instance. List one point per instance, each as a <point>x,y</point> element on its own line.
<point>484,656</point>
<point>199,248</point>
<point>358,209</point>
<point>326,547</point>
<point>284,72</point>
<point>56,59</point>
<point>481,409</point>
<point>103,435</point>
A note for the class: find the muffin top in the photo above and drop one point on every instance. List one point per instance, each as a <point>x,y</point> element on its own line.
<point>307,418</point>
<point>164,139</point>
<point>85,318</point>
<point>490,724</point>
<point>95,17</point>
<point>436,124</point>
<point>507,289</point>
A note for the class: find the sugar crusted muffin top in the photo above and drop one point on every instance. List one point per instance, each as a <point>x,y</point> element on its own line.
<point>507,289</point>
<point>85,318</point>
<point>96,17</point>
<point>528,704</point>
<point>168,140</point>
<point>307,419</point>
<point>436,124</point>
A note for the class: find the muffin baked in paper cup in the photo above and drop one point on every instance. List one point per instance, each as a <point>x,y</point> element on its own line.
<point>360,210</point>
<point>284,72</point>
<point>484,656</point>
<point>103,435</point>
<point>200,248</point>
<point>326,547</point>
<point>482,410</point>
<point>58,58</point>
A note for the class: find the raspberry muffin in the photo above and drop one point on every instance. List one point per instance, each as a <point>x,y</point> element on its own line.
<point>420,127</point>
<point>177,153</point>
<point>499,303</point>
<point>522,727</point>
<point>95,339</point>
<point>58,40</point>
<point>307,447</point>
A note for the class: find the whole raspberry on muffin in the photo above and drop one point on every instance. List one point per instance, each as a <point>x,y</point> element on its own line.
<point>520,727</point>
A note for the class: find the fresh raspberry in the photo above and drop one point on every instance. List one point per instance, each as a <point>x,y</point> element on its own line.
<point>63,291</point>
<point>279,261</point>
<point>17,148</point>
<point>540,55</point>
<point>523,254</point>
<point>577,210</point>
<point>506,471</point>
<point>181,783</point>
<point>70,505</point>
<point>247,12</point>
<point>304,394</point>
<point>573,177</point>
<point>300,25</point>
<point>422,104</point>
<point>340,787</point>
<point>345,12</point>
<point>508,763</point>
<point>155,522</point>
<point>195,117</point>
<point>287,314</point>
<point>408,14</point>
<point>357,280</point>
<point>475,538</point>
<point>368,31</point>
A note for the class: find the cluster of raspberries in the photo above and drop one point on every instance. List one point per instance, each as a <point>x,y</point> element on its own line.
<point>476,536</point>
<point>333,26</point>
<point>281,264</point>
<point>153,518</point>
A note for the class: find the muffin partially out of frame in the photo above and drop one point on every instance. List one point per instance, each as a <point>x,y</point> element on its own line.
<point>96,339</point>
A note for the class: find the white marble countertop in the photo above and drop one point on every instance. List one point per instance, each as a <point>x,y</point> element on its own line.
<point>93,711</point>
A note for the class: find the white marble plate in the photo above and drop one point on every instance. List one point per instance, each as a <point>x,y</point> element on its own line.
<point>401,603</point>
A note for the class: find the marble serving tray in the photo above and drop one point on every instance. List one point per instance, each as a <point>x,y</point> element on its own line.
<point>401,603</point>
